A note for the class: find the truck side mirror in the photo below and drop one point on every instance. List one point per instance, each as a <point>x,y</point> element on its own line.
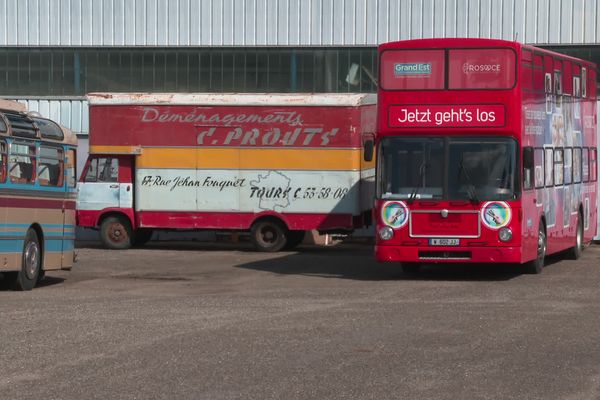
<point>368,147</point>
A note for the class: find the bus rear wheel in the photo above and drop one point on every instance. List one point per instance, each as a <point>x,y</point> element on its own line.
<point>575,251</point>
<point>31,263</point>
<point>268,235</point>
<point>536,266</point>
<point>115,233</point>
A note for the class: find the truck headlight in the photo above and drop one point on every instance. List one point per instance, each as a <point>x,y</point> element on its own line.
<point>386,233</point>
<point>505,234</point>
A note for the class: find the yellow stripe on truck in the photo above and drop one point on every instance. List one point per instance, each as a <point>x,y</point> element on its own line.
<point>263,158</point>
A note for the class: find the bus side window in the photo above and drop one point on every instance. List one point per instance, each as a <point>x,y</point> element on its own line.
<point>50,166</point>
<point>3,160</point>
<point>593,165</point>
<point>549,170</point>
<point>585,171</point>
<point>558,167</point>
<point>70,163</point>
<point>568,174</point>
<point>528,168</point>
<point>577,165</point>
<point>21,166</point>
<point>538,161</point>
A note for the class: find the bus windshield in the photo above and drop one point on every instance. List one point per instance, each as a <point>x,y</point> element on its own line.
<point>449,168</point>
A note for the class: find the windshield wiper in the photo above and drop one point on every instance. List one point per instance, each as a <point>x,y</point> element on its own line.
<point>471,192</point>
<point>413,194</point>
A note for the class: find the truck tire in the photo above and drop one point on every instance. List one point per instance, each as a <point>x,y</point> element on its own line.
<point>142,236</point>
<point>294,238</point>
<point>31,264</point>
<point>268,235</point>
<point>115,233</point>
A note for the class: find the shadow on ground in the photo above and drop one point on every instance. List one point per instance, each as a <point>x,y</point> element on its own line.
<point>358,263</point>
<point>5,284</point>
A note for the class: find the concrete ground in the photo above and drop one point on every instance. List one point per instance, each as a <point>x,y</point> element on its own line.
<point>202,321</point>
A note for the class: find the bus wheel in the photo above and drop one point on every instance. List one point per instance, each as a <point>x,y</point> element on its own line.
<point>268,235</point>
<point>142,236</point>
<point>410,268</point>
<point>115,233</point>
<point>31,263</point>
<point>536,266</point>
<point>294,238</point>
<point>575,251</point>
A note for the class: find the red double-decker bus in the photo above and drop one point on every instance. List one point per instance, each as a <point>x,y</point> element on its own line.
<point>486,152</point>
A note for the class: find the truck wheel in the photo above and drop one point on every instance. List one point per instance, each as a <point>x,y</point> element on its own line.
<point>294,238</point>
<point>31,263</point>
<point>575,251</point>
<point>115,233</point>
<point>142,236</point>
<point>268,235</point>
<point>536,266</point>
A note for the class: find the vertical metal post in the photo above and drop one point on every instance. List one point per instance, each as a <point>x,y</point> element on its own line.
<point>294,72</point>
<point>77,73</point>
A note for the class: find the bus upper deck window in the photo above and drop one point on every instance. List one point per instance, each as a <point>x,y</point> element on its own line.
<point>410,69</point>
<point>481,68</point>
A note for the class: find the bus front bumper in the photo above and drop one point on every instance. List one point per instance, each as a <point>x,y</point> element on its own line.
<point>427,254</point>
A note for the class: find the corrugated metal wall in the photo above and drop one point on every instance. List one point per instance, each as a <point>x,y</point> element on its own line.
<point>290,22</point>
<point>70,113</point>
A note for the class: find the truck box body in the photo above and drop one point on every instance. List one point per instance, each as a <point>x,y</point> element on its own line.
<point>223,161</point>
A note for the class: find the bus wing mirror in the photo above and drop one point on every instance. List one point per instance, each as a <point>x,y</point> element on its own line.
<point>368,150</point>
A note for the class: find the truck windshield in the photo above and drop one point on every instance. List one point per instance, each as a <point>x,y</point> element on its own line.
<point>457,168</point>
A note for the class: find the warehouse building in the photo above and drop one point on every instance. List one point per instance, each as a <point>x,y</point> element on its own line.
<point>53,52</point>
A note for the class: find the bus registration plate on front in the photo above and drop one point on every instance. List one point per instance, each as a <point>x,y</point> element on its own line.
<point>444,242</point>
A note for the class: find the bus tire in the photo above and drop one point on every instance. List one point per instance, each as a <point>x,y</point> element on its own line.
<point>410,268</point>
<point>115,233</point>
<point>294,238</point>
<point>536,266</point>
<point>31,263</point>
<point>142,236</point>
<point>268,235</point>
<point>575,251</point>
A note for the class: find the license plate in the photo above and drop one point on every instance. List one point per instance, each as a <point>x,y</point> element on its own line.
<point>444,242</point>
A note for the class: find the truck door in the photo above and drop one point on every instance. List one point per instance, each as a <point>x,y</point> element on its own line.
<point>105,184</point>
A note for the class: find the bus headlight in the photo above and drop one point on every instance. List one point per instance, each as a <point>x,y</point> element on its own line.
<point>505,234</point>
<point>386,233</point>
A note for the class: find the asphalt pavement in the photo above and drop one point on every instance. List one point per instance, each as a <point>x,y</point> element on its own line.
<point>219,321</point>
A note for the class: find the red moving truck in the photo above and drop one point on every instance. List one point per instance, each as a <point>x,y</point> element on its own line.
<point>276,165</point>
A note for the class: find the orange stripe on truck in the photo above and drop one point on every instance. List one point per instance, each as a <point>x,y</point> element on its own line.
<point>263,158</point>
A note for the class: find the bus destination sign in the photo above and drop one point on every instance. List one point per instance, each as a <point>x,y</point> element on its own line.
<point>447,116</point>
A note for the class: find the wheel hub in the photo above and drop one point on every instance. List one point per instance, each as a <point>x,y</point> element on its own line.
<point>32,255</point>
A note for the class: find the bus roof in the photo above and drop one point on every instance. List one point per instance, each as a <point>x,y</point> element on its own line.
<point>12,105</point>
<point>233,99</point>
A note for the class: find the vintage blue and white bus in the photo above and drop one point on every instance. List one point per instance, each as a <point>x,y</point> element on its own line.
<point>37,196</point>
